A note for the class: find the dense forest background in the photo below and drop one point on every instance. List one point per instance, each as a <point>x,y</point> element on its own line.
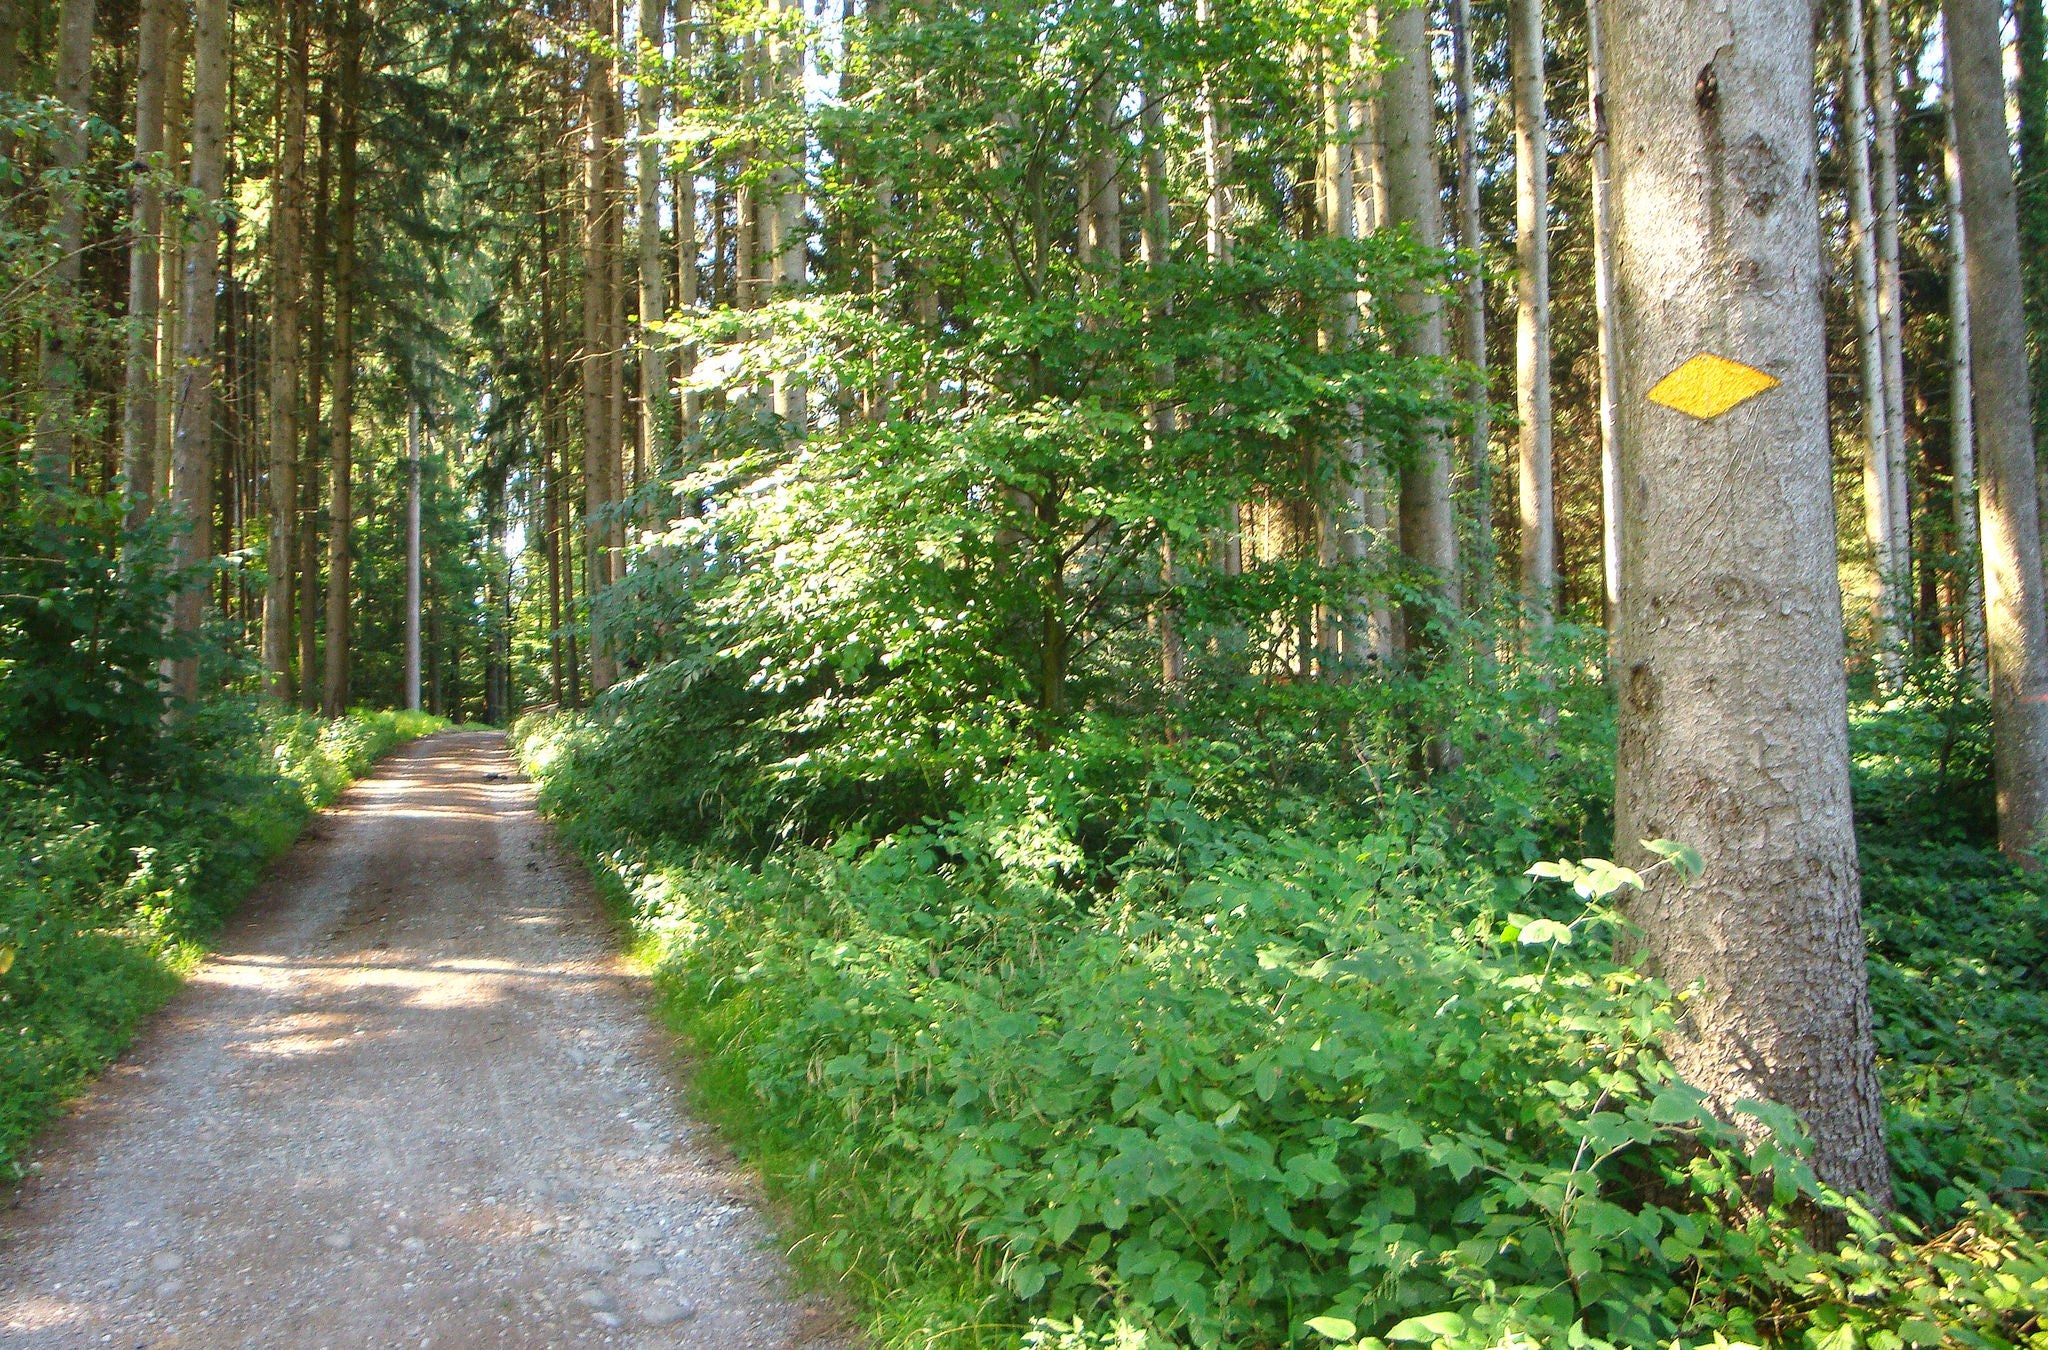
<point>1217,732</point>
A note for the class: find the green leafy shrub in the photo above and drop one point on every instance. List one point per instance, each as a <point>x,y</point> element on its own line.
<point>1080,1065</point>
<point>108,881</point>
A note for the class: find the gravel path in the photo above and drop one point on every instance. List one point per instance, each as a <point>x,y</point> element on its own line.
<point>416,1100</point>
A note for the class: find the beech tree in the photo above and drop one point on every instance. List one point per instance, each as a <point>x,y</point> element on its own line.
<point>1733,698</point>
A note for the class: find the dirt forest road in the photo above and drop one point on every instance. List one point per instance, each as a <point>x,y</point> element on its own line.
<point>416,1100</point>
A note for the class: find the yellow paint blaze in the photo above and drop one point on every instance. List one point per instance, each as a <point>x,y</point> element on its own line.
<point>1707,386</point>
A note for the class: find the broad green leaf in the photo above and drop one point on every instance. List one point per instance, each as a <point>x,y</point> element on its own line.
<point>1335,1328</point>
<point>1435,1326</point>
<point>1545,930</point>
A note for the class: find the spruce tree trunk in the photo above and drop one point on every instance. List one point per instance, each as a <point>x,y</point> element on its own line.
<point>341,434</point>
<point>1607,346</point>
<point>146,221</point>
<point>63,328</point>
<point>316,366</point>
<point>192,401</point>
<point>1532,312</point>
<point>1880,526</point>
<point>1890,299</point>
<point>412,554</point>
<point>1429,529</point>
<point>657,419</point>
<point>1962,430</point>
<point>1733,735</point>
<point>592,365</point>
<point>286,213</point>
<point>1216,222</point>
<point>1471,237</point>
<point>11,14</point>
<point>2016,638</point>
<point>2030,22</point>
<point>170,328</point>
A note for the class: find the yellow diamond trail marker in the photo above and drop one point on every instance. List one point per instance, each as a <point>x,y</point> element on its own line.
<point>1707,386</point>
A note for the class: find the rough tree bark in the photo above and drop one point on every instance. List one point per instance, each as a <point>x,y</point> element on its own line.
<point>412,553</point>
<point>286,213</point>
<point>1733,734</point>
<point>192,401</point>
<point>63,327</point>
<point>593,363</point>
<point>2016,636</point>
<point>1890,303</point>
<point>1532,312</point>
<point>146,223</point>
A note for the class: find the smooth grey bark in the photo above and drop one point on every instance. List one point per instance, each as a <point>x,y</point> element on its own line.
<point>1733,699</point>
<point>192,401</point>
<point>63,322</point>
<point>287,210</point>
<point>1429,528</point>
<point>2016,637</point>
<point>1472,304</point>
<point>139,440</point>
<point>412,554</point>
<point>1607,346</point>
<point>789,267</point>
<point>1962,430</point>
<point>657,419</point>
<point>1532,312</point>
<point>341,435</point>
<point>1880,526</point>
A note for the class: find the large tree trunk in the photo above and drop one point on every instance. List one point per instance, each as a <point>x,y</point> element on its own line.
<point>63,328</point>
<point>1734,735</point>
<point>1429,529</point>
<point>1479,449</point>
<point>286,214</point>
<point>1607,344</point>
<point>2016,637</point>
<point>1532,311</point>
<point>146,220</point>
<point>657,420</point>
<point>341,436</point>
<point>192,405</point>
<point>1880,525</point>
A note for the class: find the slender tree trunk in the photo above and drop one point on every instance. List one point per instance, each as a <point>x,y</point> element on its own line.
<point>1890,299</point>
<point>657,418</point>
<point>1429,531</point>
<point>1734,735</point>
<point>2030,24</point>
<point>789,263</point>
<point>146,220</point>
<point>1879,524</point>
<point>63,327</point>
<point>412,554</point>
<point>1216,219</point>
<point>341,437</point>
<point>2016,637</point>
<point>11,15</point>
<point>593,363</point>
<point>1532,311</point>
<point>286,212</point>
<point>1155,235</point>
<point>316,366</point>
<point>1962,430</point>
<point>1606,341</point>
<point>1471,237</point>
<point>192,407</point>
<point>170,340</point>
<point>685,209</point>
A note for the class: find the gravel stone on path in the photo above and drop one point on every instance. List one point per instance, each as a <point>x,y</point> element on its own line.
<point>410,1102</point>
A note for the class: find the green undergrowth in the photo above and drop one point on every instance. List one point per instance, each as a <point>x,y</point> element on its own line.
<point>111,881</point>
<point>1131,1043</point>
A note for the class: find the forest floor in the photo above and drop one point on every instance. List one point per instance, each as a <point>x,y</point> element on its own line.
<point>415,1099</point>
